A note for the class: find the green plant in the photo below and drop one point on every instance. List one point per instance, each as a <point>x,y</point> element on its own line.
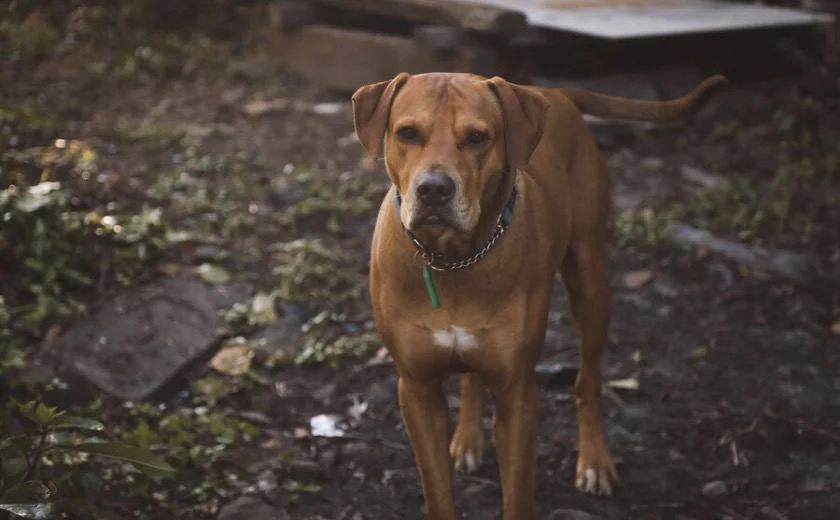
<point>324,340</point>
<point>797,195</point>
<point>32,38</point>
<point>310,270</point>
<point>200,439</point>
<point>58,236</point>
<point>48,434</point>
<point>644,228</point>
<point>334,203</point>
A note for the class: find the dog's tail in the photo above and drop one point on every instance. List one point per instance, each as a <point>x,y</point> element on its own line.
<point>610,107</point>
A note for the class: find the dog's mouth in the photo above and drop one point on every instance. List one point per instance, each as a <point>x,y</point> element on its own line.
<point>431,221</point>
<point>428,219</point>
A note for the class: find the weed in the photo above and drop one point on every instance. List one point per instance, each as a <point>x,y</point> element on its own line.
<point>325,341</point>
<point>309,270</point>
<point>644,228</point>
<point>48,449</point>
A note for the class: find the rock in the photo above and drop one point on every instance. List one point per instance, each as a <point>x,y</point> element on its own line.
<point>473,492</point>
<point>772,513</point>
<point>280,341</point>
<point>213,274</point>
<point>714,489</point>
<point>653,163</point>
<point>261,108</point>
<point>267,482</point>
<point>286,192</point>
<point>232,96</point>
<point>701,178</point>
<point>555,373</point>
<point>251,508</point>
<point>134,344</point>
<point>208,253</point>
<point>233,361</point>
<point>571,514</point>
<point>666,287</point>
<point>636,279</point>
<point>382,395</point>
<point>304,469</point>
<point>636,412</point>
<point>246,69</point>
<point>622,159</point>
<point>778,262</point>
<point>356,450</point>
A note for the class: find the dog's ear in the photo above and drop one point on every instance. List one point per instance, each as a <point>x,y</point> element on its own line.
<point>371,108</point>
<point>523,114</point>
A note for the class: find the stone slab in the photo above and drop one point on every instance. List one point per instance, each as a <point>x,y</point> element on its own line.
<point>626,19</point>
<point>135,343</point>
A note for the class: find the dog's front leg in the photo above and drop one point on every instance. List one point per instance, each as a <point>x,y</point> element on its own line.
<point>515,432</point>
<point>426,417</point>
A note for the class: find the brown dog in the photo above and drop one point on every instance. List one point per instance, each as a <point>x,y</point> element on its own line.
<point>496,187</point>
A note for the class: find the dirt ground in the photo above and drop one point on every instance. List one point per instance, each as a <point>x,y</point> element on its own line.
<point>736,411</point>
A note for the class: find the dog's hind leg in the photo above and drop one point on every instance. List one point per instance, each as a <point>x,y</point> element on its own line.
<point>467,445</point>
<point>584,272</point>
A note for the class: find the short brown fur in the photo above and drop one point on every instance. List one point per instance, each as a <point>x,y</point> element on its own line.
<point>540,143</point>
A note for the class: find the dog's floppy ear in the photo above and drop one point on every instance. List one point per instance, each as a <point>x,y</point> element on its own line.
<point>371,107</point>
<point>523,114</point>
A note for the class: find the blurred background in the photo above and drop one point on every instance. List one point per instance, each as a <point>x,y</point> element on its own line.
<point>185,216</point>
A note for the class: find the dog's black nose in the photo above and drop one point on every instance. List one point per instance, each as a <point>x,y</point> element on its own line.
<point>435,188</point>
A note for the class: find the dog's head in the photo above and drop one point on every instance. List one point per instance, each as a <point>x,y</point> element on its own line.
<point>451,143</point>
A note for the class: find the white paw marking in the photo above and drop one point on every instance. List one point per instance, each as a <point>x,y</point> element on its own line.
<point>591,480</point>
<point>458,338</point>
<point>471,463</point>
<point>468,462</point>
<point>594,483</point>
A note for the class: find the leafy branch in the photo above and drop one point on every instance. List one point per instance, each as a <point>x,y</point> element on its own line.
<point>48,429</point>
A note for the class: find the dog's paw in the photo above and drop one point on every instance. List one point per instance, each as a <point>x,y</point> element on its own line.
<point>467,449</point>
<point>596,474</point>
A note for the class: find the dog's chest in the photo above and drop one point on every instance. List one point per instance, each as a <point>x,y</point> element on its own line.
<point>459,339</point>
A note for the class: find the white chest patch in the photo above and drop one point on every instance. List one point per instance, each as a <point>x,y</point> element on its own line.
<point>455,338</point>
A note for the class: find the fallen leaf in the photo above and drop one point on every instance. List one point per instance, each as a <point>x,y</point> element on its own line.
<point>259,108</point>
<point>326,426</point>
<point>636,279</point>
<point>233,361</point>
<point>262,309</point>
<point>702,178</point>
<point>327,108</point>
<point>699,353</point>
<point>357,409</point>
<point>213,274</point>
<point>630,383</point>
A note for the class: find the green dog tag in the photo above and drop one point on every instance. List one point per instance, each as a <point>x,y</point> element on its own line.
<point>430,287</point>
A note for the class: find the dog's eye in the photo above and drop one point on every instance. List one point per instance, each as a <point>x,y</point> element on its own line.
<point>477,138</point>
<point>408,134</point>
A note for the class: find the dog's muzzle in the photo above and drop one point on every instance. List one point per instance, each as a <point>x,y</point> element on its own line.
<point>434,193</point>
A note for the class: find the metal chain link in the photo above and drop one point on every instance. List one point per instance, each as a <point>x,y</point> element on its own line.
<point>429,256</point>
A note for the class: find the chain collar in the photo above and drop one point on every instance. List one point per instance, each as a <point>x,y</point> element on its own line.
<point>432,259</point>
